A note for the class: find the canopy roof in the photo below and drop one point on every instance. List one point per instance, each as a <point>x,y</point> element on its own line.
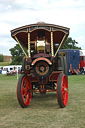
<point>22,32</point>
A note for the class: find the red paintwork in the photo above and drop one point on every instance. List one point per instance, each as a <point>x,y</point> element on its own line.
<point>82,62</point>
<point>54,75</point>
<point>73,70</point>
<point>33,78</point>
<point>64,90</point>
<point>41,55</point>
<point>25,87</point>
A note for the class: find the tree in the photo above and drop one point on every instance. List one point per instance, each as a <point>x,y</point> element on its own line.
<point>1,58</point>
<point>17,54</point>
<point>70,44</point>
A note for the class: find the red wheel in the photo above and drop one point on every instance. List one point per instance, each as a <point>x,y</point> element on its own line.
<point>62,90</point>
<point>24,91</point>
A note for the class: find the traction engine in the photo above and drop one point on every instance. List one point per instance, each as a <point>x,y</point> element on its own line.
<point>43,69</point>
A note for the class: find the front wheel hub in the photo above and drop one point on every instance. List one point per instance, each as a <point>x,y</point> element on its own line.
<point>42,68</point>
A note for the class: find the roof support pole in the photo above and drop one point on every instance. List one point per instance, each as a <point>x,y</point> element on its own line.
<point>52,50</point>
<point>60,45</point>
<point>20,46</point>
<point>29,51</point>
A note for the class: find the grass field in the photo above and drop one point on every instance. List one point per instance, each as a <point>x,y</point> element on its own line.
<point>43,111</point>
<point>4,63</point>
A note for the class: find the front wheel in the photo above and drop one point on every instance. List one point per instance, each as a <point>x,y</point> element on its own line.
<point>62,90</point>
<point>24,91</point>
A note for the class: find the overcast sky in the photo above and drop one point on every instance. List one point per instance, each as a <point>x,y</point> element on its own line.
<point>17,13</point>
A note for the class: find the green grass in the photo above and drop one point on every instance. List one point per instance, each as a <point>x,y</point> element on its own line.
<point>43,111</point>
<point>4,63</point>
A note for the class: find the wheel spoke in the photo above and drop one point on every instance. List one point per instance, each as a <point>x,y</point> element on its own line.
<point>25,95</point>
<point>62,90</point>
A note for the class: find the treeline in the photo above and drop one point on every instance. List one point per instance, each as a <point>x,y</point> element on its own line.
<point>1,58</point>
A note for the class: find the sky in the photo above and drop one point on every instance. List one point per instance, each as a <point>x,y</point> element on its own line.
<point>17,13</point>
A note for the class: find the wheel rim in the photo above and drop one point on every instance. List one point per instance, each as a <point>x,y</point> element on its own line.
<point>64,90</point>
<point>26,90</point>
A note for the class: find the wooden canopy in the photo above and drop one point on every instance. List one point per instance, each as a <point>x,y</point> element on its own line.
<point>59,33</point>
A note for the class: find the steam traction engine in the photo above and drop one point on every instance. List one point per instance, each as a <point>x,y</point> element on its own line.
<point>43,69</point>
